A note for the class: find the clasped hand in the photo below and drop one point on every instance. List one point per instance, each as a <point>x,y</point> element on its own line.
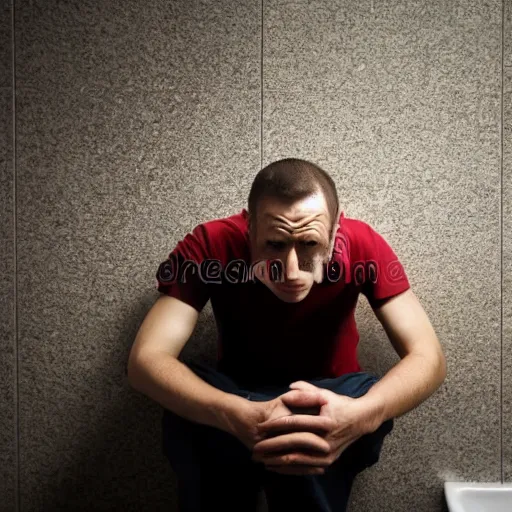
<point>308,444</point>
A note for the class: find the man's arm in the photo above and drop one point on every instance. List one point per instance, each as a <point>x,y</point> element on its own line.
<point>422,368</point>
<point>154,368</point>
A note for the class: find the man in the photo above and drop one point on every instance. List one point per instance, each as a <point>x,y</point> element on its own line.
<point>288,407</point>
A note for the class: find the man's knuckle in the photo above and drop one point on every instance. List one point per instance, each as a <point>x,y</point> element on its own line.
<point>326,447</point>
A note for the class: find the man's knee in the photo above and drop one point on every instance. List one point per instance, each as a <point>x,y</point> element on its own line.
<point>354,384</point>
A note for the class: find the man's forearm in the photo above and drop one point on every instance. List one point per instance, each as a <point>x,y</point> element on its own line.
<point>176,387</point>
<point>411,381</point>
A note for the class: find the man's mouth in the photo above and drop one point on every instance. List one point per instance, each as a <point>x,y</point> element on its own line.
<point>291,288</point>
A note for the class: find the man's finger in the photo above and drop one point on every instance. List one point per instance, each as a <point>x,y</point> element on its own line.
<point>292,442</point>
<point>302,398</point>
<point>296,459</point>
<point>297,422</point>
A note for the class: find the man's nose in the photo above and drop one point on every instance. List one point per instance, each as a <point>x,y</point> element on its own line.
<point>292,265</point>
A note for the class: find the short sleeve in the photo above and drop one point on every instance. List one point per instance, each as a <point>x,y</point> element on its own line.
<point>384,274</point>
<point>179,276</point>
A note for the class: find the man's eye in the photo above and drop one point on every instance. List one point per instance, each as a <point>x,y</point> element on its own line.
<point>310,243</point>
<point>275,245</point>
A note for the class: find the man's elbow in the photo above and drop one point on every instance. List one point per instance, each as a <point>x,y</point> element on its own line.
<point>133,372</point>
<point>436,359</point>
<point>440,366</point>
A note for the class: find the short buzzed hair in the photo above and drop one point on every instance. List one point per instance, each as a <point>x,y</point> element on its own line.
<point>291,180</point>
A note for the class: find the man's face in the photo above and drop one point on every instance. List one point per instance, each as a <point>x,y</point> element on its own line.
<point>298,234</point>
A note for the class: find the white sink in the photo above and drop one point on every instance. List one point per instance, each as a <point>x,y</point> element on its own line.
<point>478,496</point>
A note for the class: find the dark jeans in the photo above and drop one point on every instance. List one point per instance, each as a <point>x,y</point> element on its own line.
<point>214,469</point>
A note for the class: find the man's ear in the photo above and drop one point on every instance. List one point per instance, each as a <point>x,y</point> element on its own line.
<point>333,232</point>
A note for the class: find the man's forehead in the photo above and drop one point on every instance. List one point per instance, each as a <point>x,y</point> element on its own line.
<point>296,215</point>
<point>314,220</point>
<point>318,220</point>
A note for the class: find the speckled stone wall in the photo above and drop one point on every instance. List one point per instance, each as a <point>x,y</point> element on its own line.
<point>8,434</point>
<point>507,245</point>
<point>136,121</point>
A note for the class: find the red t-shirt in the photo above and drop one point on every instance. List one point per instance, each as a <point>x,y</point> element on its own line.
<point>262,339</point>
